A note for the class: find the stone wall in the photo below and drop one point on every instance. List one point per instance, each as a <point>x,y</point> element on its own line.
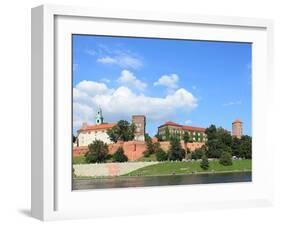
<point>134,149</point>
<point>165,145</point>
<point>108,169</point>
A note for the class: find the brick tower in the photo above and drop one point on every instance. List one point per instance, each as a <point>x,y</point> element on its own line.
<point>237,128</point>
<point>139,121</point>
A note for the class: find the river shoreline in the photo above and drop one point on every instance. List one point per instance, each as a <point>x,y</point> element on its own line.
<point>163,180</point>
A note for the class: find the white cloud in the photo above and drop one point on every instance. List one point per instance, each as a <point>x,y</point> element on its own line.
<point>170,81</point>
<point>107,60</point>
<point>122,103</point>
<point>106,80</point>
<point>127,78</point>
<point>186,122</point>
<point>233,103</point>
<point>122,60</point>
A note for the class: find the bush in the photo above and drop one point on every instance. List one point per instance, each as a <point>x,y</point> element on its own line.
<point>119,156</point>
<point>197,154</point>
<point>176,152</point>
<point>146,153</point>
<point>161,155</point>
<point>204,163</point>
<point>226,159</point>
<point>97,153</point>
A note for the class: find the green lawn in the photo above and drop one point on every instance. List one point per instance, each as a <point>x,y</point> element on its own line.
<point>79,160</point>
<point>177,168</point>
<point>152,157</point>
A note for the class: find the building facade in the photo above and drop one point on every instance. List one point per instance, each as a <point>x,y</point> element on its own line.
<point>196,134</point>
<point>237,128</point>
<point>89,133</point>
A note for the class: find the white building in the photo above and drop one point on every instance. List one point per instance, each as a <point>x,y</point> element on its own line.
<point>88,133</point>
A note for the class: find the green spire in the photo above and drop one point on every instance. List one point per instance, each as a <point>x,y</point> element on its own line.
<point>99,117</point>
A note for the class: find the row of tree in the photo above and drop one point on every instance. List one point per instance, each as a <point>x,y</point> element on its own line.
<point>220,140</point>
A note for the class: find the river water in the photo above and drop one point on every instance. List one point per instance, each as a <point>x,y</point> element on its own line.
<point>125,182</point>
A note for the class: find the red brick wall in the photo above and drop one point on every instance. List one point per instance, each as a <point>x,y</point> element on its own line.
<point>134,149</point>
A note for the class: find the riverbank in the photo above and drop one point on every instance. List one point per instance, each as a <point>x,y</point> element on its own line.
<point>141,169</point>
<point>180,168</point>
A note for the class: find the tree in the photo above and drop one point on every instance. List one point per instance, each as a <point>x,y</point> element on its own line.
<point>186,138</point>
<point>97,153</point>
<point>197,154</point>
<point>119,156</point>
<point>219,140</point>
<point>123,131</point>
<point>176,152</point>
<point>73,138</point>
<point>204,163</point>
<point>161,155</point>
<point>151,147</point>
<point>159,137</point>
<point>225,159</point>
<point>236,147</point>
<point>167,134</point>
<point>246,147</point>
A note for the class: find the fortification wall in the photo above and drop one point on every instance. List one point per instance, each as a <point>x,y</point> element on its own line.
<point>134,149</point>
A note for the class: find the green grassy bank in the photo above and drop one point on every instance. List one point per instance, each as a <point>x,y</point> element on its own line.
<point>179,168</point>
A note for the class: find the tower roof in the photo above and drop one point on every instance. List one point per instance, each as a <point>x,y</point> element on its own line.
<point>237,121</point>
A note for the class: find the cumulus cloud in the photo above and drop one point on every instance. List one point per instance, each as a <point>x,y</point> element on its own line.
<point>122,103</point>
<point>169,81</point>
<point>127,78</point>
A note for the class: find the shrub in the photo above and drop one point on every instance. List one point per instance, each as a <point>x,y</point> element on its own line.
<point>226,159</point>
<point>161,155</point>
<point>176,152</point>
<point>97,153</point>
<point>119,156</point>
<point>197,154</point>
<point>204,163</point>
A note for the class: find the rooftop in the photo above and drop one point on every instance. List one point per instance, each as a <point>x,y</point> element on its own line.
<point>192,128</point>
<point>96,127</point>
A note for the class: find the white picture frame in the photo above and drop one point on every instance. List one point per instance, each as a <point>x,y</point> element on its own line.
<point>52,197</point>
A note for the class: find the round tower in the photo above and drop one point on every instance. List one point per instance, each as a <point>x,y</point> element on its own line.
<point>237,128</point>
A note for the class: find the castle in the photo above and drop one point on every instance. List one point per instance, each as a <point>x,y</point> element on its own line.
<point>135,149</point>
<point>88,133</point>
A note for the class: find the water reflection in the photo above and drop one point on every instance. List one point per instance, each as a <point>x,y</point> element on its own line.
<point>125,182</point>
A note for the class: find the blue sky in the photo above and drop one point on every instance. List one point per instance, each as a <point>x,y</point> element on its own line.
<point>195,83</point>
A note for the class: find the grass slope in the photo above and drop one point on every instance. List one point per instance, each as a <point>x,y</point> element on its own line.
<point>178,168</point>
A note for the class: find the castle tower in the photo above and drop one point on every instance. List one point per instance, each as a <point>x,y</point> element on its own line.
<point>237,128</point>
<point>99,117</point>
<point>140,122</point>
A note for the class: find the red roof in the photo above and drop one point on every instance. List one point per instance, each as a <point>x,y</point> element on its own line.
<point>237,121</point>
<point>170,123</point>
<point>96,127</point>
<point>192,128</point>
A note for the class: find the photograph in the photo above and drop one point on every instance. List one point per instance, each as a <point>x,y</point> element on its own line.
<point>160,112</point>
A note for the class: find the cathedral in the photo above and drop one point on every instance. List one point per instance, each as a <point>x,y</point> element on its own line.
<point>98,131</point>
